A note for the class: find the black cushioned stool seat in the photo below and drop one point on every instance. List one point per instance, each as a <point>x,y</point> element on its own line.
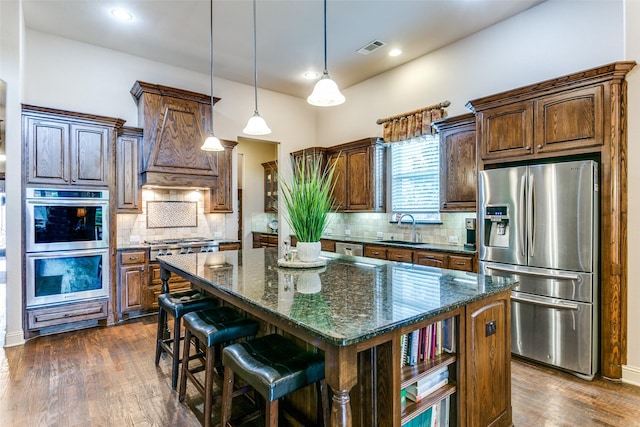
<point>274,366</point>
<point>211,327</point>
<point>177,305</point>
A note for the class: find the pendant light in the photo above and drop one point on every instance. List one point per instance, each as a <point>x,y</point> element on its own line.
<point>256,124</point>
<point>212,143</point>
<point>326,92</point>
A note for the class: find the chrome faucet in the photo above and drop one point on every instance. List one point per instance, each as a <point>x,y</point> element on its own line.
<point>399,216</point>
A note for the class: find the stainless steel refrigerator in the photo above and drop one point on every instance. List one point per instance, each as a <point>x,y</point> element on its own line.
<point>539,224</point>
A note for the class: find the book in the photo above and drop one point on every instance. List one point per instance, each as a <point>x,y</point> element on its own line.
<point>448,335</point>
<point>415,394</point>
<point>413,349</point>
<point>435,376</point>
<point>403,350</point>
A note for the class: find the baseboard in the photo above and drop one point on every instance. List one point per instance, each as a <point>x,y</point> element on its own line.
<point>631,375</point>
<point>12,339</point>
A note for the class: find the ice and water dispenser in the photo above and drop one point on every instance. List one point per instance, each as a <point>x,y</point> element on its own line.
<point>496,226</point>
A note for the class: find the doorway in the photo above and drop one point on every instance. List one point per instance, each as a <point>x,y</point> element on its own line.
<point>251,154</point>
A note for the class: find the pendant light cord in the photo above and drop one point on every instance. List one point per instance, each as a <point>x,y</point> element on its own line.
<point>326,71</point>
<point>255,60</point>
<point>211,60</point>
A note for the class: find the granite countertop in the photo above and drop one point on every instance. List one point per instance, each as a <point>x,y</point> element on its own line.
<point>459,249</point>
<point>349,300</point>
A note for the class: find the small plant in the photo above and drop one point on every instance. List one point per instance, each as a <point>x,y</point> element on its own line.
<point>309,198</point>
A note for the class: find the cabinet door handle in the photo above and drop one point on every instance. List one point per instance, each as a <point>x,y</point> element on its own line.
<point>528,148</point>
<point>460,263</point>
<point>539,146</point>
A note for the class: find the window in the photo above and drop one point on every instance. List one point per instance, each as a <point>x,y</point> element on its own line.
<point>415,177</point>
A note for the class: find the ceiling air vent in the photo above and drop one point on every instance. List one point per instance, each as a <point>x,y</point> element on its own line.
<point>370,47</point>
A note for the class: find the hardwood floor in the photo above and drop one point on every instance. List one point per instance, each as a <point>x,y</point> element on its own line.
<point>106,377</point>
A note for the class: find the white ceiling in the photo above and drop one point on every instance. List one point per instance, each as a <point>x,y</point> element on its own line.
<point>290,33</point>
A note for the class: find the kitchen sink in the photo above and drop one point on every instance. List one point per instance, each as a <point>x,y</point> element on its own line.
<point>400,242</point>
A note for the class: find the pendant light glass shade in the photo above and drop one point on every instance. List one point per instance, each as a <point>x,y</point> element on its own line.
<point>326,92</point>
<point>212,143</point>
<point>256,124</point>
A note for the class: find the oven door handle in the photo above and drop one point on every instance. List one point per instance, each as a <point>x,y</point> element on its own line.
<point>544,302</point>
<point>560,276</point>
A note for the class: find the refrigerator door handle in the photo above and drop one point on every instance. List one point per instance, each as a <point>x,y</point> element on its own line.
<point>531,217</point>
<point>522,215</point>
<point>544,302</point>
<point>560,276</point>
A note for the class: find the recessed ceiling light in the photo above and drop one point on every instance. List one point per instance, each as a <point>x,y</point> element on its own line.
<point>311,75</point>
<point>121,15</point>
<point>395,52</point>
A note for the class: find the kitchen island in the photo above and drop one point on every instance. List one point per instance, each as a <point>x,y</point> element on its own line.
<point>356,310</point>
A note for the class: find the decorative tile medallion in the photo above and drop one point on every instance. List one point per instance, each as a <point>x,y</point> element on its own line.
<point>170,214</point>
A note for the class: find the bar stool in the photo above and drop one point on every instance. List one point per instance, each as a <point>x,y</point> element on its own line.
<point>212,327</point>
<point>177,305</point>
<point>274,366</point>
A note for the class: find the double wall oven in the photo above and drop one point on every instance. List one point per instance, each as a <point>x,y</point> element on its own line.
<point>67,245</point>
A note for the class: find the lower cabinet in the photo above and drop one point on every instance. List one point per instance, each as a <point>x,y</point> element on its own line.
<point>65,314</point>
<point>265,240</point>
<point>438,259</point>
<point>488,344</point>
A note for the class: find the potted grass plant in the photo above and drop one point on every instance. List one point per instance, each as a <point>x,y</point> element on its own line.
<point>308,198</point>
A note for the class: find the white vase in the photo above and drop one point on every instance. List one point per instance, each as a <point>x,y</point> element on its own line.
<point>308,282</point>
<point>308,251</point>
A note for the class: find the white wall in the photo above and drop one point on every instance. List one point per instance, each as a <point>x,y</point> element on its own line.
<point>538,44</point>
<point>631,372</point>
<point>11,54</point>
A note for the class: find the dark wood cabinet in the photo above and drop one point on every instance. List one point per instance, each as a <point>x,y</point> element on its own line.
<point>154,288</point>
<point>359,175</point>
<point>128,195</point>
<point>133,280</point>
<point>374,251</point>
<point>400,255</point>
<point>68,148</point>
<point>431,259</point>
<point>549,120</point>
<point>219,198</point>
<point>265,240</point>
<point>270,186</point>
<point>488,380</point>
<point>310,155</point>
<point>458,173</point>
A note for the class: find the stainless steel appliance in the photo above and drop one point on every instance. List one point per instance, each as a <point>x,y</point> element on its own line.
<point>67,245</point>
<point>349,249</point>
<point>66,219</point>
<point>187,245</point>
<point>539,224</point>
<point>66,276</point>
<point>470,226</point>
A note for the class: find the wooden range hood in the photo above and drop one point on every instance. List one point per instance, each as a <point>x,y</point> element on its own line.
<point>175,124</point>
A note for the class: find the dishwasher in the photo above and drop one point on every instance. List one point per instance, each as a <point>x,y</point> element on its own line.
<point>348,249</point>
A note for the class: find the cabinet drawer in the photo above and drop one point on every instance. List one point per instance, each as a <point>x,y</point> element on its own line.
<point>60,315</point>
<point>432,259</point>
<point>154,292</point>
<point>379,252</point>
<point>133,257</point>
<point>400,255</point>
<point>328,245</point>
<point>460,262</point>
<point>154,276</point>
<point>229,246</point>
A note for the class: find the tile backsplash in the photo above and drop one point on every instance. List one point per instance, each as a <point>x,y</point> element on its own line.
<point>135,225</point>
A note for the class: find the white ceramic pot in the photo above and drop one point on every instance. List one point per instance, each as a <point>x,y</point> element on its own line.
<point>308,251</point>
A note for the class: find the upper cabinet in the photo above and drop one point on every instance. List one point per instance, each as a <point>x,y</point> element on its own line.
<point>66,148</point>
<point>270,186</point>
<point>458,180</point>
<point>558,117</point>
<point>128,196</point>
<point>359,175</point>
<point>218,199</point>
<point>175,123</point>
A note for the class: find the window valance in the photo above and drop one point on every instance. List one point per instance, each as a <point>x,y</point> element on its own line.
<point>412,124</point>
